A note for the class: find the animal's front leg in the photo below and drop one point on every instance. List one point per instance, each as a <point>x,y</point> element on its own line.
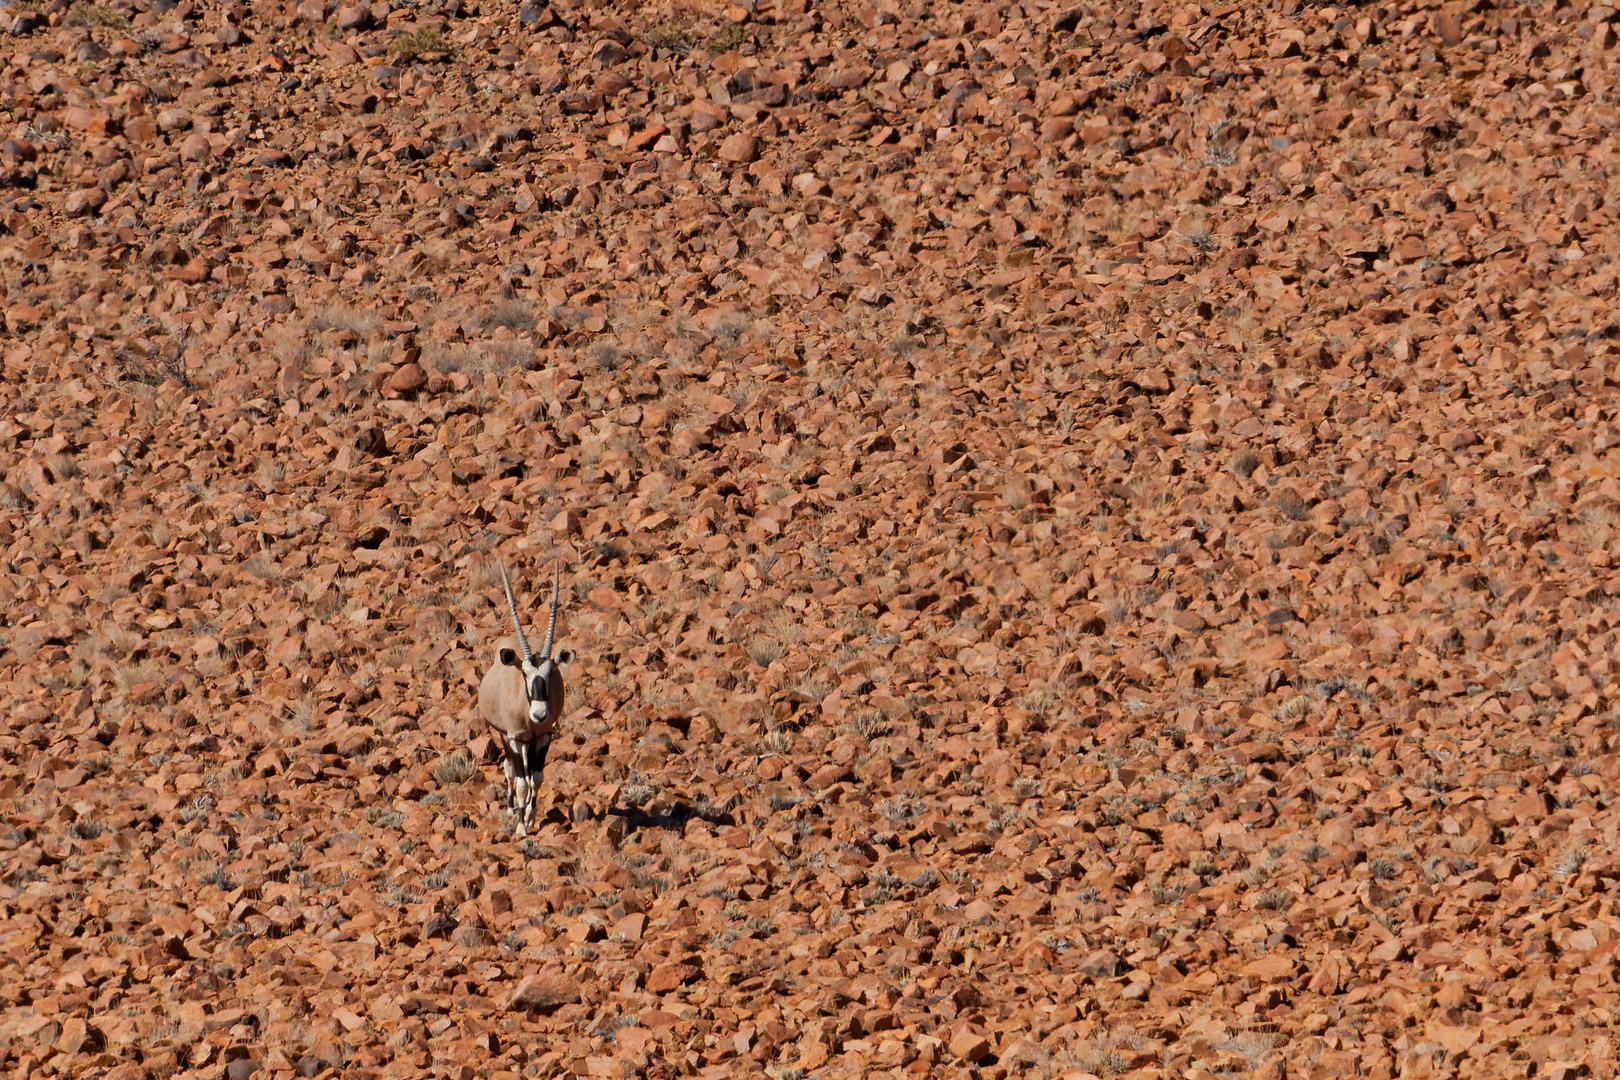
<point>534,802</point>
<point>534,790</point>
<point>520,808</point>
<point>536,769</point>
<point>520,803</point>
<point>511,776</point>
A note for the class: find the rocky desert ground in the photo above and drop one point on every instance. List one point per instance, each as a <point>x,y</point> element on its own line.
<point>1091,530</point>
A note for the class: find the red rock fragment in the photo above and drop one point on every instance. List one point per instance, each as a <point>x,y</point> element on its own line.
<point>969,1046</point>
<point>828,775</point>
<point>739,148</point>
<point>407,380</point>
<point>1056,129</point>
<point>667,977</point>
<point>542,994</point>
<point>84,201</point>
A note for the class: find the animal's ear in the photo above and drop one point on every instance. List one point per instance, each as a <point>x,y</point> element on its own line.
<point>565,656</point>
<point>509,657</point>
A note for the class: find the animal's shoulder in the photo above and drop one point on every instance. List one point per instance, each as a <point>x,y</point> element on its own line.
<point>500,677</point>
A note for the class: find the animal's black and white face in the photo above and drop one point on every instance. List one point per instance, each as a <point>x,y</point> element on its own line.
<point>542,681</point>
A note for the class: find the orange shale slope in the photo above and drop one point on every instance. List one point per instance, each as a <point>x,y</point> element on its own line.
<point>1091,532</point>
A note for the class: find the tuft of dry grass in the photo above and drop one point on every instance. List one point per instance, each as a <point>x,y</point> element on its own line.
<point>868,724</point>
<point>1291,506</point>
<point>483,574</point>
<point>265,568</point>
<point>1294,708</point>
<point>96,16</point>
<point>455,768</point>
<point>782,625</point>
<point>218,665</point>
<point>728,329</point>
<point>345,317</point>
<point>514,315</point>
<point>817,685</point>
<point>730,35</point>
<point>607,356</point>
<point>291,348</point>
<point>145,671</point>
<point>62,466</point>
<point>493,357</point>
<point>299,715</point>
<point>763,651</point>
<point>1274,900</point>
<point>269,475</point>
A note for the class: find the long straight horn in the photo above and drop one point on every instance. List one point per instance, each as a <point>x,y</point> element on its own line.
<point>511,605</point>
<point>551,627</point>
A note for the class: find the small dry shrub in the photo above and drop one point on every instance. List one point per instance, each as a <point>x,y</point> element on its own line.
<point>428,41</point>
<point>606,355</point>
<point>1168,894</point>
<point>731,35</point>
<point>1291,506</point>
<point>728,329</point>
<point>638,790</point>
<point>668,35</point>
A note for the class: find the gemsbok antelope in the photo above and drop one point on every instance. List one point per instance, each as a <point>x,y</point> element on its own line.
<point>522,699</point>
